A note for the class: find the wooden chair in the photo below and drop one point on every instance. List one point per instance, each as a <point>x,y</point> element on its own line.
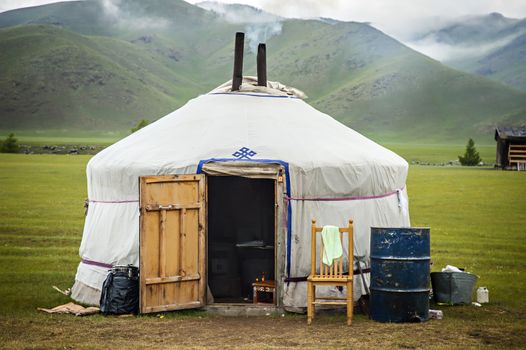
<point>330,275</point>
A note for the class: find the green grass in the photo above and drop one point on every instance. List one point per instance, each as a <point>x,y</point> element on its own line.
<point>60,140</point>
<point>423,153</point>
<point>439,153</point>
<point>476,215</point>
<point>41,206</point>
<point>64,137</point>
<point>477,219</point>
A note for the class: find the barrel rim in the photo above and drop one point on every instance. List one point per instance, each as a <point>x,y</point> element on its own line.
<point>398,290</point>
<point>452,272</point>
<point>401,258</point>
<point>410,228</point>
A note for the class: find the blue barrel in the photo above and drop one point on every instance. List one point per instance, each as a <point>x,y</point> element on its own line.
<point>399,274</point>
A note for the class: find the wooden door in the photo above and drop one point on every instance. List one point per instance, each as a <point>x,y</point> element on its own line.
<point>172,242</point>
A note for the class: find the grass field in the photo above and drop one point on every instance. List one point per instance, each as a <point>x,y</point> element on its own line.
<point>61,137</point>
<point>477,218</point>
<point>439,153</point>
<point>413,153</point>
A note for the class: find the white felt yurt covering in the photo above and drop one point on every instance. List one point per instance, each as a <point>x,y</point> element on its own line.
<point>333,173</point>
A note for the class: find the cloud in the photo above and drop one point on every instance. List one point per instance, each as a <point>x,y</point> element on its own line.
<point>402,19</point>
<point>127,19</point>
<point>112,9</point>
<point>260,26</point>
<point>467,37</point>
<point>446,52</point>
<point>239,14</point>
<point>6,5</point>
<point>260,33</point>
<point>398,18</point>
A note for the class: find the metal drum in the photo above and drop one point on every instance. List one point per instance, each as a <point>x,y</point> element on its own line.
<point>399,274</point>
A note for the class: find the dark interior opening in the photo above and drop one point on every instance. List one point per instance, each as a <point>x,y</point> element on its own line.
<point>240,236</point>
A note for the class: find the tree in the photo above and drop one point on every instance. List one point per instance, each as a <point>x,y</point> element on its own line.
<point>471,156</point>
<point>10,144</point>
<point>141,124</point>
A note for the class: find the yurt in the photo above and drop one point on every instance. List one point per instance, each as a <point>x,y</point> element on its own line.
<point>222,191</point>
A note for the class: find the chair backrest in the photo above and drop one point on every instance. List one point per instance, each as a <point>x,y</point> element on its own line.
<point>336,269</point>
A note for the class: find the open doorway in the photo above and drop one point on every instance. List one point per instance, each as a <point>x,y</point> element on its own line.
<point>241,236</point>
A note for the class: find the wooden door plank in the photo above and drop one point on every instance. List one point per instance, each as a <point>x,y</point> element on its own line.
<point>162,244</point>
<point>201,261</point>
<point>172,242</point>
<point>170,279</point>
<point>172,307</point>
<point>182,246</point>
<point>156,207</point>
<point>142,287</point>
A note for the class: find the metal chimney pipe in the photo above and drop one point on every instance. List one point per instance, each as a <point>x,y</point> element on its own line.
<point>262,65</point>
<point>237,77</point>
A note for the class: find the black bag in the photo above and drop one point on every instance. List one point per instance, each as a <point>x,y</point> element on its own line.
<point>120,291</point>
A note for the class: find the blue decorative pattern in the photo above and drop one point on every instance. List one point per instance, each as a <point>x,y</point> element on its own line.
<point>244,153</point>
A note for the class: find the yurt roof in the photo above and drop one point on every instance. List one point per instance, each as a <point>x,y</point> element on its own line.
<point>262,124</point>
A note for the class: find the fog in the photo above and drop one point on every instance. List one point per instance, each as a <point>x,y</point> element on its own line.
<point>260,26</point>
<point>125,19</point>
<point>402,19</point>
<point>447,52</point>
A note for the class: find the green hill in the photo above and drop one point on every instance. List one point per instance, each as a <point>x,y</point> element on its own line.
<point>81,66</point>
<point>492,46</point>
<point>53,79</point>
<point>506,64</point>
<point>371,82</point>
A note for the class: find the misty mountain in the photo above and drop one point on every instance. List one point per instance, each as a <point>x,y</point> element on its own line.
<point>473,30</point>
<point>492,46</point>
<point>237,13</point>
<point>103,65</point>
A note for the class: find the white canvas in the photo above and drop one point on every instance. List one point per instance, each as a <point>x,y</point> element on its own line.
<point>347,175</point>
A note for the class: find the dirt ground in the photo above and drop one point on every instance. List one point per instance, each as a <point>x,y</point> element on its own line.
<point>492,328</point>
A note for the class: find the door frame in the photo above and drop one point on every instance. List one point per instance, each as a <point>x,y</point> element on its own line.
<point>277,244</point>
<point>280,244</point>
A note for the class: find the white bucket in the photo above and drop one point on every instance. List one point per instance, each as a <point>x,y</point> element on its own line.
<point>482,295</point>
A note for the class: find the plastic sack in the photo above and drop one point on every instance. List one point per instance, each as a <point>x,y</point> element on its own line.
<point>120,291</point>
<point>451,268</point>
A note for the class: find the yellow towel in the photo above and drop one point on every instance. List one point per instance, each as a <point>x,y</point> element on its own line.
<point>332,245</point>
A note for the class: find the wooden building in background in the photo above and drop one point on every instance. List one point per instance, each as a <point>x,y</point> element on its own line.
<point>511,147</point>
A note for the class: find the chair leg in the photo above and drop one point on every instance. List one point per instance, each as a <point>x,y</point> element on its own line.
<point>349,303</point>
<point>310,302</point>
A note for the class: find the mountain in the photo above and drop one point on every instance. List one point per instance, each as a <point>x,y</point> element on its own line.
<point>52,78</point>
<point>103,65</point>
<point>492,46</point>
<point>91,64</point>
<point>237,13</point>
<point>474,30</point>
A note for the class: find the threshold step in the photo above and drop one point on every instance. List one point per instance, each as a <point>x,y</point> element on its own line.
<point>237,310</point>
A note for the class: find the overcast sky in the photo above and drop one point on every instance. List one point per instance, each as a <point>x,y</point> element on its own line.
<point>395,17</point>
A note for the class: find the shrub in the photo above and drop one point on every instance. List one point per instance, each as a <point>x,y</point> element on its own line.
<point>140,124</point>
<point>10,144</point>
<point>471,156</point>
